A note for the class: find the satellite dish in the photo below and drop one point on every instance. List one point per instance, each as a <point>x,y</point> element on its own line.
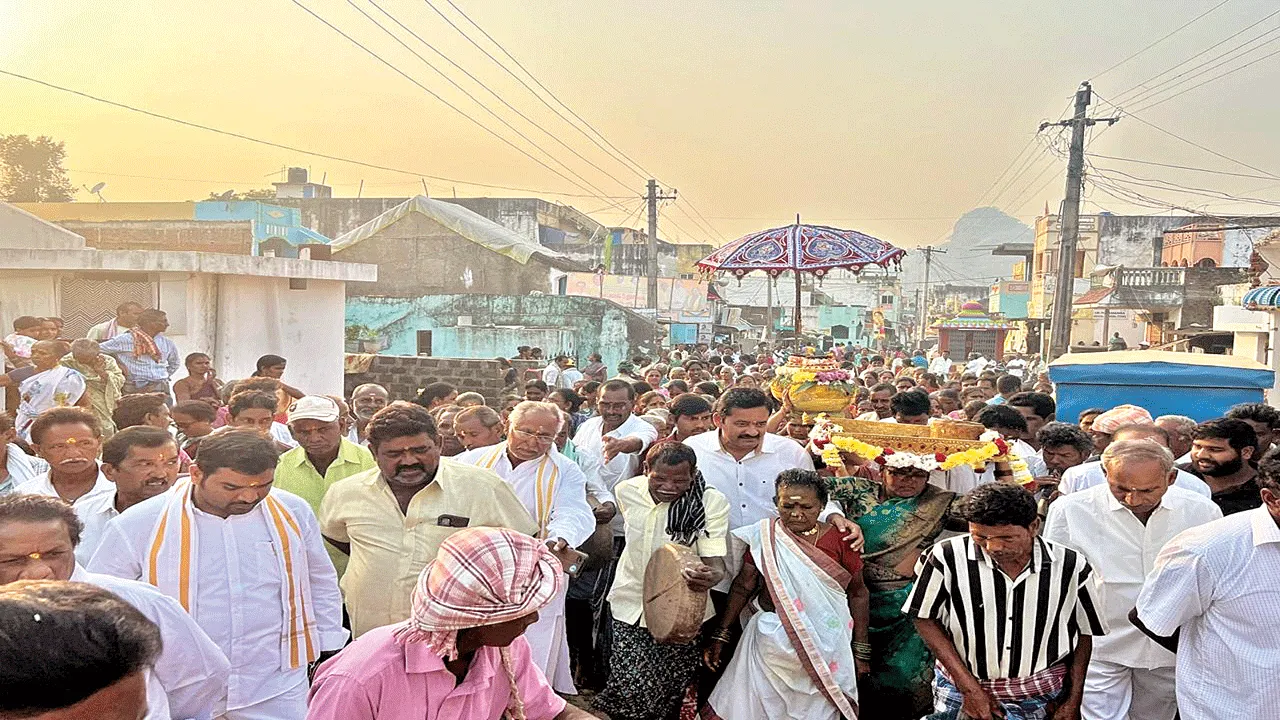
<point>227,195</point>
<point>96,190</point>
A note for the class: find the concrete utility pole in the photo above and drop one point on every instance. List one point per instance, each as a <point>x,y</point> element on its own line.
<point>919,337</point>
<point>928,251</point>
<point>1069,231</point>
<point>652,197</point>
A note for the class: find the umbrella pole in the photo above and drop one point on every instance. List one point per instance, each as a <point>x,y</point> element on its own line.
<point>797,315</point>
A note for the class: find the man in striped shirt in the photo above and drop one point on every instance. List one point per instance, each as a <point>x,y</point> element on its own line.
<point>1009,616</point>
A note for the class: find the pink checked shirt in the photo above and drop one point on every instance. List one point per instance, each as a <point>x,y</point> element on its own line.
<point>376,677</point>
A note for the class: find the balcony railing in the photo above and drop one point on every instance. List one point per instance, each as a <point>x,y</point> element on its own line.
<point>1154,277</point>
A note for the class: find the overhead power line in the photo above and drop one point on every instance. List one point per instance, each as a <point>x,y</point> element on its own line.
<point>594,135</point>
<point>1124,96</point>
<point>620,155</point>
<point>1190,75</point>
<point>285,146</point>
<point>479,82</point>
<point>1175,31</point>
<point>1192,143</point>
<point>585,185</point>
<point>1212,79</point>
<point>1181,167</point>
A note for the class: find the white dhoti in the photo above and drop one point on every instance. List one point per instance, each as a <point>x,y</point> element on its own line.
<point>764,680</point>
<point>796,663</point>
<point>1115,692</point>
<point>549,646</point>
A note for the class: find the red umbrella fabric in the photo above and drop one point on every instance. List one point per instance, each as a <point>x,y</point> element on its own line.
<point>807,248</point>
<point>816,249</point>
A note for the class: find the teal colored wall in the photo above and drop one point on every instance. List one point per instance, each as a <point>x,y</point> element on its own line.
<point>576,326</point>
<point>851,316</point>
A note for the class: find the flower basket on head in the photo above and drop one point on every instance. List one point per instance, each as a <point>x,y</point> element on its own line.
<point>816,384</point>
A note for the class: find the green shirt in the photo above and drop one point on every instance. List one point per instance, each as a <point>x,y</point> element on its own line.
<point>296,474</point>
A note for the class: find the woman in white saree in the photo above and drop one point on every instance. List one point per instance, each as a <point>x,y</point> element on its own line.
<point>796,659</point>
<point>51,385</point>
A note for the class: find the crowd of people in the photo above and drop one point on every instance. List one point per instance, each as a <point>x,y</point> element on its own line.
<point>246,549</point>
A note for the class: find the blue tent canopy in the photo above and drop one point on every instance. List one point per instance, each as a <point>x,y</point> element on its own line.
<point>1199,386</point>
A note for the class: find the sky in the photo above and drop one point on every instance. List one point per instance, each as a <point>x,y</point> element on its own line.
<point>893,118</point>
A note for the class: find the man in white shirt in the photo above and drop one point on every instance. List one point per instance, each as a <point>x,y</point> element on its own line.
<point>68,439</point>
<point>553,373</point>
<point>571,375</point>
<point>1210,599</point>
<point>38,537</point>
<point>610,447</point>
<point>1120,527</point>
<point>742,461</point>
<point>977,363</point>
<point>1089,474</point>
<point>249,564</point>
<point>941,365</point>
<point>141,462</point>
<point>881,402</point>
<point>611,444</point>
<point>553,490</point>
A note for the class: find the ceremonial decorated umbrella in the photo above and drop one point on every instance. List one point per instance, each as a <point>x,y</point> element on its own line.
<point>800,248</point>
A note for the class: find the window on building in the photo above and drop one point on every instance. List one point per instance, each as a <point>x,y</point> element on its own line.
<point>424,342</point>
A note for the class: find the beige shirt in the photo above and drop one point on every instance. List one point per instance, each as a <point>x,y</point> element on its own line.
<point>645,523</point>
<point>389,548</point>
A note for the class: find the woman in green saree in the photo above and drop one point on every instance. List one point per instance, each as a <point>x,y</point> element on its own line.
<point>900,514</point>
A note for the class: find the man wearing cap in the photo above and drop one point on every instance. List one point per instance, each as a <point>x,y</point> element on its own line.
<point>1105,425</point>
<point>460,654</point>
<point>322,458</point>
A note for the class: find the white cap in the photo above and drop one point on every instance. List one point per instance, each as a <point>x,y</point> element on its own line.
<point>314,407</point>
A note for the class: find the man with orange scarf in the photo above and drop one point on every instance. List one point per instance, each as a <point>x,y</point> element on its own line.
<point>247,561</point>
<point>147,358</point>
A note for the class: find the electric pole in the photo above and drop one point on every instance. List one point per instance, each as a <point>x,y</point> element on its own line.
<point>1069,231</point>
<point>919,308</point>
<point>652,197</point>
<point>929,250</point>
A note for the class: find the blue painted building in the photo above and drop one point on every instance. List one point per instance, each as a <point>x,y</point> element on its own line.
<point>276,230</point>
<point>489,326</point>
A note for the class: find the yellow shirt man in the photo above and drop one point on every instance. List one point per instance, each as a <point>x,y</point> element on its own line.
<point>296,474</point>
<point>389,548</point>
<point>646,530</point>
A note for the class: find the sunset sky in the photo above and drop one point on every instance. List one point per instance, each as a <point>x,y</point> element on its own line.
<point>891,117</point>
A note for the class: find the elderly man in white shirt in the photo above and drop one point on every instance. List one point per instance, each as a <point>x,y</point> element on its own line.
<point>742,461</point>
<point>1211,598</point>
<point>38,541</point>
<point>68,439</point>
<point>553,490</point>
<point>247,562</point>
<point>1090,474</point>
<point>1120,527</point>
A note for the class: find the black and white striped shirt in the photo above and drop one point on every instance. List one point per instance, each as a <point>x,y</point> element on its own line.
<point>1006,628</point>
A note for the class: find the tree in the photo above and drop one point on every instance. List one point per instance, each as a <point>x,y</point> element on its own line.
<point>260,194</point>
<point>31,170</point>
